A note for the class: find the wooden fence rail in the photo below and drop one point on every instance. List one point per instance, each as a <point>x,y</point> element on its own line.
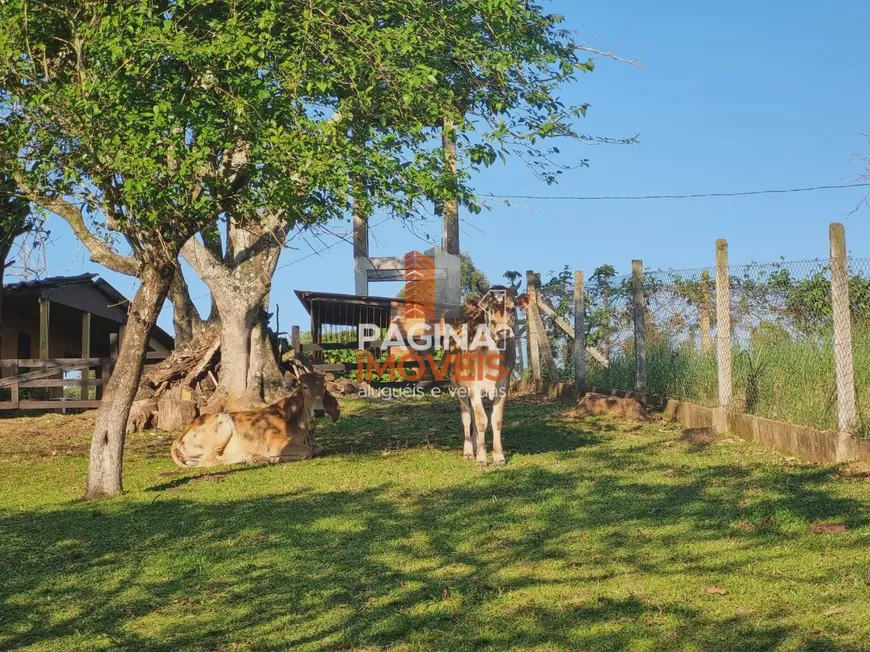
<point>48,374</point>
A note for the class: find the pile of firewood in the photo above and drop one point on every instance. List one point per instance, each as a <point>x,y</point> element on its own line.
<point>175,391</point>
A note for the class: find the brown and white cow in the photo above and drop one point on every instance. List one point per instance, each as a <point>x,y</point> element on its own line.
<point>495,312</point>
<point>281,432</point>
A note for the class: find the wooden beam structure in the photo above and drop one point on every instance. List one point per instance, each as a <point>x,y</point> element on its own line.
<point>86,335</point>
<point>562,323</point>
<point>450,209</point>
<point>86,353</point>
<point>44,320</point>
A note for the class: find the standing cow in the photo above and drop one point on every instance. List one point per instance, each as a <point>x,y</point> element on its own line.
<point>493,361</point>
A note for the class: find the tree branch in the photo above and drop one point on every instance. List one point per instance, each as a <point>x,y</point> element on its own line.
<point>100,252</point>
<point>609,54</point>
<point>207,266</point>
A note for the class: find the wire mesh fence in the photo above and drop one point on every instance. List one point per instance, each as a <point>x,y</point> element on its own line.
<point>782,336</point>
<point>679,321</point>
<point>782,330</point>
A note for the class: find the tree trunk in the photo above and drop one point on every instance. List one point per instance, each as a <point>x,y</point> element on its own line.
<point>236,326</point>
<point>175,413</point>
<point>107,445</point>
<point>265,378</point>
<point>240,282</point>
<point>185,317</point>
<point>4,252</point>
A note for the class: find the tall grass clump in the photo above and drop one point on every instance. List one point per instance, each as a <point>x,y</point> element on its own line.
<point>791,380</point>
<point>672,371</point>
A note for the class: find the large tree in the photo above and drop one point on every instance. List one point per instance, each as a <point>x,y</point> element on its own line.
<point>144,123</point>
<point>484,76</point>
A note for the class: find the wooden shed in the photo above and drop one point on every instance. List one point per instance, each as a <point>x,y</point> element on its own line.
<point>66,317</point>
<point>61,324</point>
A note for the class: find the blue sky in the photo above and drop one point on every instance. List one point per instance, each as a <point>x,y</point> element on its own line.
<point>733,96</point>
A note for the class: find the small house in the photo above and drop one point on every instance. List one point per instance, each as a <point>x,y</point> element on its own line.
<point>66,317</point>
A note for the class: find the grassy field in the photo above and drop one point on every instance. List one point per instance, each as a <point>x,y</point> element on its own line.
<point>597,535</point>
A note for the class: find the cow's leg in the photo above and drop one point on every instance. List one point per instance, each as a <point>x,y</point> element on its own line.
<point>481,421</point>
<point>468,447</point>
<point>224,431</point>
<point>497,414</point>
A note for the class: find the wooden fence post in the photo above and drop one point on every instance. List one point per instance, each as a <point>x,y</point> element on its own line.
<point>579,335</point>
<point>14,390</point>
<point>105,375</point>
<point>85,392</point>
<point>296,342</point>
<point>114,339</point>
<point>544,341</point>
<point>847,417</point>
<point>639,331</point>
<point>44,318</point>
<point>108,364</point>
<point>531,328</point>
<point>723,327</point>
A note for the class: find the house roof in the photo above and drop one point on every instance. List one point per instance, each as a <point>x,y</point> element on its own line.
<point>86,292</point>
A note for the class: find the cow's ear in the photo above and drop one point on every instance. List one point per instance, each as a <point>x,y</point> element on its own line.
<point>472,307</point>
<point>331,405</point>
<point>292,405</point>
<point>522,301</point>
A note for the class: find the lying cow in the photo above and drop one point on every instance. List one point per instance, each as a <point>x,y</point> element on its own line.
<point>496,312</point>
<point>281,432</point>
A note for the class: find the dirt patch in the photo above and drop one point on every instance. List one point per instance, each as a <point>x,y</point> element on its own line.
<point>46,434</point>
<point>698,436</point>
<point>595,404</point>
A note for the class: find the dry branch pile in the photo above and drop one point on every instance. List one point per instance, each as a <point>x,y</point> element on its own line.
<point>175,391</point>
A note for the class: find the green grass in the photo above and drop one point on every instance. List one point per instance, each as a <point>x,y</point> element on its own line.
<point>790,381</point>
<point>674,372</point>
<point>596,536</point>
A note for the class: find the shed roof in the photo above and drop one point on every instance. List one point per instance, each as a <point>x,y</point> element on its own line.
<point>85,292</point>
<point>349,309</point>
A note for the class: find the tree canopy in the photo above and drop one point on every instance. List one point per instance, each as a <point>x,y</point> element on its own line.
<point>144,122</point>
<point>169,114</point>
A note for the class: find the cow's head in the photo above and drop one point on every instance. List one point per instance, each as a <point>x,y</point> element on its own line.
<point>310,400</point>
<point>498,308</point>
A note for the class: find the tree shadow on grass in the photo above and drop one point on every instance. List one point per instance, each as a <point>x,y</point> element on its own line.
<point>531,426</point>
<point>509,559</point>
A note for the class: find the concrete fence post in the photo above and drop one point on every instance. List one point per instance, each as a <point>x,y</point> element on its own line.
<point>723,332</point>
<point>704,314</point>
<point>639,330</point>
<point>847,417</point>
<point>579,335</point>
